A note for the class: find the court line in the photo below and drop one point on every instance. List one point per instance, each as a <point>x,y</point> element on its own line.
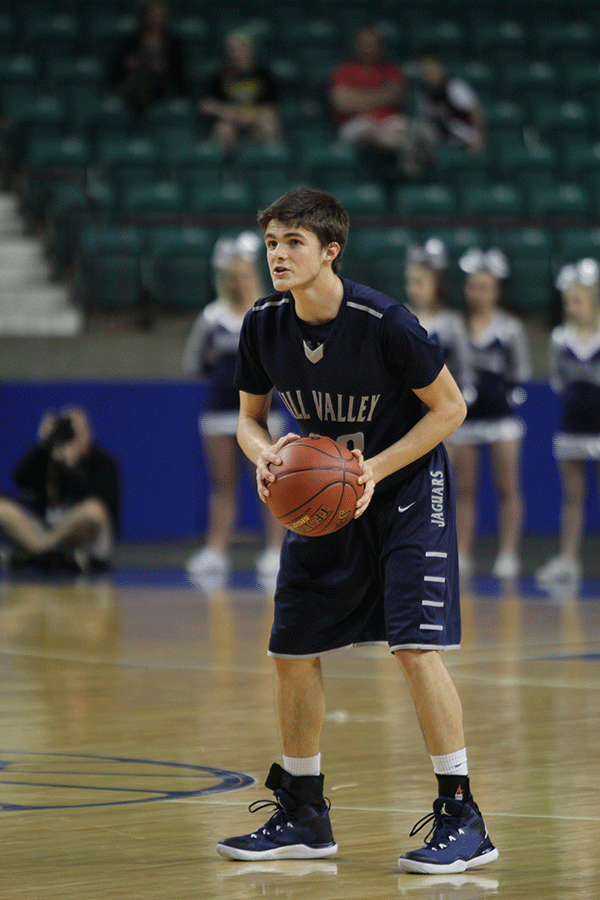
<point>457,674</point>
<point>412,811</point>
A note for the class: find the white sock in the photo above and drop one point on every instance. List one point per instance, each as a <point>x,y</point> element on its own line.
<point>302,765</point>
<point>451,763</point>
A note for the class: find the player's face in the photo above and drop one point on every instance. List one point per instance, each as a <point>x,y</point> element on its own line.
<point>482,291</point>
<point>295,256</point>
<point>420,286</point>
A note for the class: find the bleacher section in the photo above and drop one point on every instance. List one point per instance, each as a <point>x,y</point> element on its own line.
<point>135,208</point>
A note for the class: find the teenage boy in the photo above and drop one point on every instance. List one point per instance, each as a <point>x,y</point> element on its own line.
<point>355,365</point>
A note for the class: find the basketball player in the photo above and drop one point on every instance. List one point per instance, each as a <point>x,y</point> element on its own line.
<point>355,365</point>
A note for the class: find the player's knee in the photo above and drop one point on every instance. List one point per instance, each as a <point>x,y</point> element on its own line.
<point>294,669</point>
<point>95,512</point>
<point>412,660</point>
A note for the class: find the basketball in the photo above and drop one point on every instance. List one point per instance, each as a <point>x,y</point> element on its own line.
<point>316,488</point>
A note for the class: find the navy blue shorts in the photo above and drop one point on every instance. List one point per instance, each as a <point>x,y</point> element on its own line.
<point>390,576</point>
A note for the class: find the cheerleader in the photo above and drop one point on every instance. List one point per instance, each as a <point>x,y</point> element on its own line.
<point>500,355</point>
<point>574,368</point>
<point>425,286</point>
<point>210,353</point>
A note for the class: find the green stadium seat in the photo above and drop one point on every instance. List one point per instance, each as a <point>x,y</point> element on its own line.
<point>173,127</point>
<point>531,82</point>
<point>42,117</point>
<point>459,168</point>
<point>104,119</point>
<point>498,199</point>
<point>230,198</point>
<point>456,241</point>
<point>129,162</point>
<point>480,75</point>
<point>309,34</point>
<point>447,37</point>
<point>504,117</point>
<point>526,165</point>
<point>19,76</point>
<point>529,251</point>
<point>562,123</point>
<point>250,160</point>
<point>288,76</point>
<point>51,35</point>
<point>160,197</point>
<point>7,35</point>
<point>568,43</point>
<point>579,243</point>
<point>196,165</point>
<point>437,200</point>
<point>180,266</point>
<point>319,162</point>
<point>195,34</point>
<point>108,271</point>
<point>363,199</point>
<point>581,158</point>
<point>567,199</point>
<point>377,258</point>
<point>501,43</point>
<point>70,208</point>
<point>108,28</point>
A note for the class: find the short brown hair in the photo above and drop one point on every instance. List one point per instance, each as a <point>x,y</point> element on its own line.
<point>317,211</point>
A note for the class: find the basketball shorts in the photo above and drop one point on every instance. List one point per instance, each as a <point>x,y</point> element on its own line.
<point>389,577</point>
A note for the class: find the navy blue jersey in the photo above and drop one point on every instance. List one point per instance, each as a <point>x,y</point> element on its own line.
<point>500,357</point>
<point>356,386</point>
<point>575,373</point>
<point>211,350</point>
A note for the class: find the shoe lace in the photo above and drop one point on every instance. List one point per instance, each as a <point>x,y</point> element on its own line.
<point>280,817</point>
<point>443,829</point>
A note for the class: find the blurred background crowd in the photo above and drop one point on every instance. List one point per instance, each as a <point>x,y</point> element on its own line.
<point>135,137</point>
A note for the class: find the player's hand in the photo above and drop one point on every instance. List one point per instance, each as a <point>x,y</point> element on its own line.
<point>264,475</point>
<point>367,478</point>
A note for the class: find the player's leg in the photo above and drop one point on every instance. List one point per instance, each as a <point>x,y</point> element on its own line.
<point>465,468</point>
<point>21,528</point>
<point>300,827</point>
<point>221,452</point>
<point>79,526</point>
<point>505,458</point>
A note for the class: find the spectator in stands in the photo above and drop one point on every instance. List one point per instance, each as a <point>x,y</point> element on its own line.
<point>367,97</point>
<point>501,362</point>
<point>149,67</point>
<point>448,105</point>
<point>243,98</point>
<point>574,366</point>
<point>210,353</point>
<point>68,513</point>
<point>426,292</point>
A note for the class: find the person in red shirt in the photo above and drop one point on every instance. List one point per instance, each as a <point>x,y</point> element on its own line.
<point>367,96</point>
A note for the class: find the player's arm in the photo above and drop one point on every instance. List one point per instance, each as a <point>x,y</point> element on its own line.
<point>446,410</point>
<point>255,440</point>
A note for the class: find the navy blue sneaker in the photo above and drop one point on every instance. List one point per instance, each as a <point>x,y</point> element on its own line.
<point>299,827</point>
<point>458,840</point>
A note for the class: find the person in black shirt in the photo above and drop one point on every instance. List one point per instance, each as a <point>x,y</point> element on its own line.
<point>69,507</point>
<point>149,67</point>
<point>449,105</point>
<point>242,97</point>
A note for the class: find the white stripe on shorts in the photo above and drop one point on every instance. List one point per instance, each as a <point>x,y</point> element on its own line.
<point>431,627</point>
<point>437,578</point>
<point>436,553</point>
<point>432,603</point>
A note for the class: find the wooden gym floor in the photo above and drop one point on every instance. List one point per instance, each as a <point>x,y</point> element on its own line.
<point>136,712</point>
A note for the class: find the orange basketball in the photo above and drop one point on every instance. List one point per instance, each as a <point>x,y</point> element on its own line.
<point>316,489</point>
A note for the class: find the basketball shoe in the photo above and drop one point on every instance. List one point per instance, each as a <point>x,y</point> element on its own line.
<point>458,840</point>
<point>299,827</point>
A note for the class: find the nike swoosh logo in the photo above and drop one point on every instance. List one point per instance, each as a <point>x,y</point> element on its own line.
<point>404,508</point>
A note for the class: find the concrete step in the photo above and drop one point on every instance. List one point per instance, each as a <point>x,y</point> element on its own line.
<point>65,322</point>
<point>19,252</point>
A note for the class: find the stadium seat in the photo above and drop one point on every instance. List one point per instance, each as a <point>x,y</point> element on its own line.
<point>128,162</point>
<point>50,35</point>
<point>426,200</point>
<point>180,270</point>
<point>43,117</point>
<point>578,243</point>
<point>502,118</point>
<point>524,166</point>
<point>529,251</point>
<point>498,199</point>
<point>71,208</point>
<point>377,258</point>
<point>501,43</point>
<point>108,28</point>
<point>172,124</point>
<point>7,35</point>
<point>561,200</point>
<point>250,160</point>
<point>456,241</point>
<point>108,271</point>
<point>196,165</point>
<point>567,42</point>
<point>457,167</point>
<point>195,34</point>
<point>480,75</point>
<point>531,83</point>
<point>230,198</point>
<point>323,163</point>
<point>160,197</point>
<point>104,119</point>
<point>363,199</point>
<point>446,36</point>
<point>562,123</point>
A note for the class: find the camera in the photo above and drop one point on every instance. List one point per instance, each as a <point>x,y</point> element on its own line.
<point>62,432</point>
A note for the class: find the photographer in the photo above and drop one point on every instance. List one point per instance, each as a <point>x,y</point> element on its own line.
<point>68,516</point>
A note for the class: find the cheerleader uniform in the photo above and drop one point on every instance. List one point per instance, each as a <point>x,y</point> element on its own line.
<point>574,367</point>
